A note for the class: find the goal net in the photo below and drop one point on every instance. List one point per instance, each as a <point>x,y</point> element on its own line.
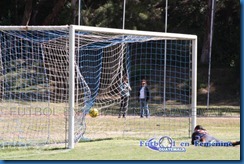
<point>50,78</point>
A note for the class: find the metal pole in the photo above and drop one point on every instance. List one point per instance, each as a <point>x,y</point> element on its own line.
<point>194,86</point>
<point>79,13</point>
<point>210,50</point>
<point>122,48</point>
<point>166,15</point>
<point>124,15</point>
<point>78,52</point>
<point>165,54</point>
<point>71,86</point>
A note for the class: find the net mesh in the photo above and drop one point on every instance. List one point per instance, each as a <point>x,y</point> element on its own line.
<point>34,80</point>
<point>170,94</point>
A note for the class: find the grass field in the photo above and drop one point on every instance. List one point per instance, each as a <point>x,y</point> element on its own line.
<point>227,129</point>
<point>120,149</point>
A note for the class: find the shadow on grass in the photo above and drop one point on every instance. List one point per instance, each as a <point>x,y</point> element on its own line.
<point>94,140</point>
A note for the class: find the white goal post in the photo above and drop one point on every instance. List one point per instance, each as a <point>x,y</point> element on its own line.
<point>71,69</point>
<point>160,35</point>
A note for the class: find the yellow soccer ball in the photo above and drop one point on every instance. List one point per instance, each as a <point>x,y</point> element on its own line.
<point>93,112</point>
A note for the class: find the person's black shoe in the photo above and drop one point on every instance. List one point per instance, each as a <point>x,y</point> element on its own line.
<point>235,143</point>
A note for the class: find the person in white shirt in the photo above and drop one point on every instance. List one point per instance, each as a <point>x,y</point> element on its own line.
<point>125,94</point>
<point>143,99</point>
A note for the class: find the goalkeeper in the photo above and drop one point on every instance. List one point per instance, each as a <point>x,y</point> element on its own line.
<point>125,94</point>
<point>200,135</point>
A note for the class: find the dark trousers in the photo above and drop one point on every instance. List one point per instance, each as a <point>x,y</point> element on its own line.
<point>124,105</point>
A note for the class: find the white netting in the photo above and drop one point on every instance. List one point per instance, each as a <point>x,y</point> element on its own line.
<point>105,60</point>
<point>34,80</point>
<point>34,74</point>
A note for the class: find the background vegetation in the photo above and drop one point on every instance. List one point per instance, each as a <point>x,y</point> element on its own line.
<point>184,16</point>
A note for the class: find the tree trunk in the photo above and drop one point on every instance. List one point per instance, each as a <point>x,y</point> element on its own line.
<point>74,10</point>
<point>27,12</point>
<point>50,19</point>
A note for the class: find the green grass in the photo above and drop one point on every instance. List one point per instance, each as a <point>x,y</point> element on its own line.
<point>226,129</point>
<point>107,145</point>
<point>121,149</point>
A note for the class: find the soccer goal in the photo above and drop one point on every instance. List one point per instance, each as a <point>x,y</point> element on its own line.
<point>51,76</point>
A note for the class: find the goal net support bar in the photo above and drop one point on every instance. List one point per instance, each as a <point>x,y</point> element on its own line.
<point>80,67</point>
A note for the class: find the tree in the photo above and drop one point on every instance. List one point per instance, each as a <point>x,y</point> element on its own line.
<point>185,16</point>
<point>45,12</point>
<point>27,12</point>
<point>57,7</point>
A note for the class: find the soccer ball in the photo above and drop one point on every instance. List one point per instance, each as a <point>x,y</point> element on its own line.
<point>93,112</point>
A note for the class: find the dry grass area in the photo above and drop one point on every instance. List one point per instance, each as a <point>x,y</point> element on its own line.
<point>106,146</point>
<point>42,122</point>
<point>227,128</point>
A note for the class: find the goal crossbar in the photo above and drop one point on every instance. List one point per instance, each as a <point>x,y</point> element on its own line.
<point>162,35</point>
<point>112,31</point>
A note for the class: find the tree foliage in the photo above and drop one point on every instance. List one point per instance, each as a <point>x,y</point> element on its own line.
<point>184,16</point>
